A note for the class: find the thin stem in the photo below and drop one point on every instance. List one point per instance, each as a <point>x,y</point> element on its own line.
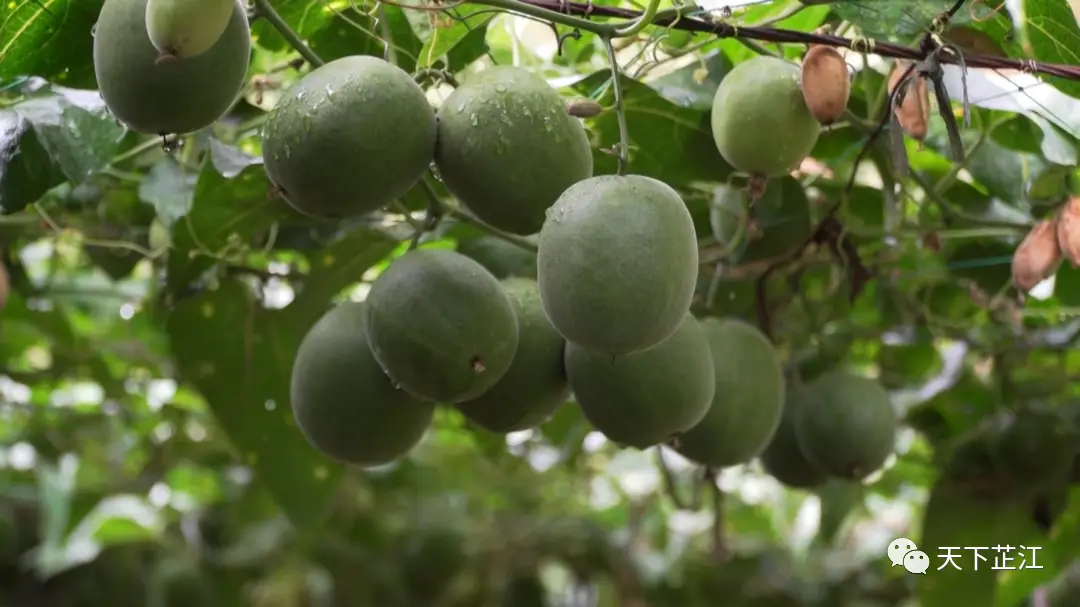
<point>465,216</point>
<point>641,22</point>
<point>620,114</point>
<point>264,10</point>
<point>389,50</point>
<point>600,29</point>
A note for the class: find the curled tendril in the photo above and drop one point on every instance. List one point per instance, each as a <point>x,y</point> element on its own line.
<point>861,44</point>
<point>559,40</point>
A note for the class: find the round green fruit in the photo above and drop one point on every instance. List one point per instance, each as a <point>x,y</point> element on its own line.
<point>342,400</point>
<point>760,121</point>
<point>749,399</point>
<point>441,325</point>
<point>179,96</point>
<point>535,385</point>
<point>501,258</point>
<point>617,263</point>
<point>782,458</point>
<point>645,398</point>
<point>846,427</point>
<point>180,29</point>
<point>508,148</point>
<point>349,138</point>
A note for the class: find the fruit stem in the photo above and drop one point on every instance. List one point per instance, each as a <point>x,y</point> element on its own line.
<point>620,113</point>
<point>264,10</point>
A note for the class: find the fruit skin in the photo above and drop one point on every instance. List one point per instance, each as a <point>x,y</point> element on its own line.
<point>179,96</point>
<point>500,258</point>
<point>441,325</point>
<point>342,401</point>
<point>535,385</point>
<point>1068,230</point>
<point>508,148</point>
<point>760,121</point>
<point>846,426</point>
<point>782,458</point>
<point>913,113</point>
<point>618,263</point>
<point>180,29</point>
<point>349,138</point>
<point>1038,256</point>
<point>825,83</point>
<point>749,399</point>
<point>643,399</point>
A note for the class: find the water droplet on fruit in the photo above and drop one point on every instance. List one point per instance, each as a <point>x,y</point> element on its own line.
<point>93,30</point>
<point>500,87</point>
<point>475,119</point>
<point>461,107</point>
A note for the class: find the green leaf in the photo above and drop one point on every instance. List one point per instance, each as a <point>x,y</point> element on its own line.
<point>305,18</point>
<point>694,86</point>
<point>49,38</point>
<point>903,20</point>
<point>75,128</point>
<point>26,171</point>
<point>240,356</point>
<point>667,142</point>
<point>169,188</point>
<point>1052,35</point>
<point>338,266</point>
<point>959,521</point>
<point>231,204</point>
<point>344,38</point>
<point>444,39</point>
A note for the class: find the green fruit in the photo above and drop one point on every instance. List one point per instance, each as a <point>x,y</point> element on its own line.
<point>536,383</point>
<point>170,97</point>
<point>501,258</point>
<point>846,427</point>
<point>782,458</point>
<point>760,121</point>
<point>618,263</point>
<point>441,325</point>
<point>777,223</point>
<point>645,398</point>
<point>343,402</point>
<point>749,399</point>
<point>159,237</point>
<point>674,40</point>
<point>180,29</point>
<point>349,138</point>
<point>508,148</point>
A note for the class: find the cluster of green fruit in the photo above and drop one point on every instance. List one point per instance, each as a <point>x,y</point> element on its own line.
<point>602,311</point>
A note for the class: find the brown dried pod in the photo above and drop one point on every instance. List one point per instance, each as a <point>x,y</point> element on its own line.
<point>1068,230</point>
<point>913,113</point>
<point>1037,257</point>
<point>584,108</point>
<point>826,85</point>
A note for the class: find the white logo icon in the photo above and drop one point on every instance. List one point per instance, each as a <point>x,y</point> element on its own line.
<point>916,561</point>
<point>900,547</point>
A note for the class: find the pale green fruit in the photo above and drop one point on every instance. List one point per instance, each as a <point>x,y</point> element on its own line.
<point>185,28</point>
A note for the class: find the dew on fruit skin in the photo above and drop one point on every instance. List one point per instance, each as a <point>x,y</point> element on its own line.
<point>475,120</point>
<point>500,87</point>
<point>461,106</point>
<point>93,30</point>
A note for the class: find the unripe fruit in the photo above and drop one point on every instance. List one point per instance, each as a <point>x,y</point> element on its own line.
<point>760,122</point>
<point>1037,257</point>
<point>1068,230</point>
<point>185,28</point>
<point>913,113</point>
<point>825,83</point>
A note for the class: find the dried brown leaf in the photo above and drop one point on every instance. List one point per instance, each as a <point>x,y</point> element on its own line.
<point>1068,230</point>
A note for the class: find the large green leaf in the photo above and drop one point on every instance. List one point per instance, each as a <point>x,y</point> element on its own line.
<point>49,38</point>
<point>667,142</point>
<point>1054,36</point>
<point>240,356</point>
<point>232,203</point>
